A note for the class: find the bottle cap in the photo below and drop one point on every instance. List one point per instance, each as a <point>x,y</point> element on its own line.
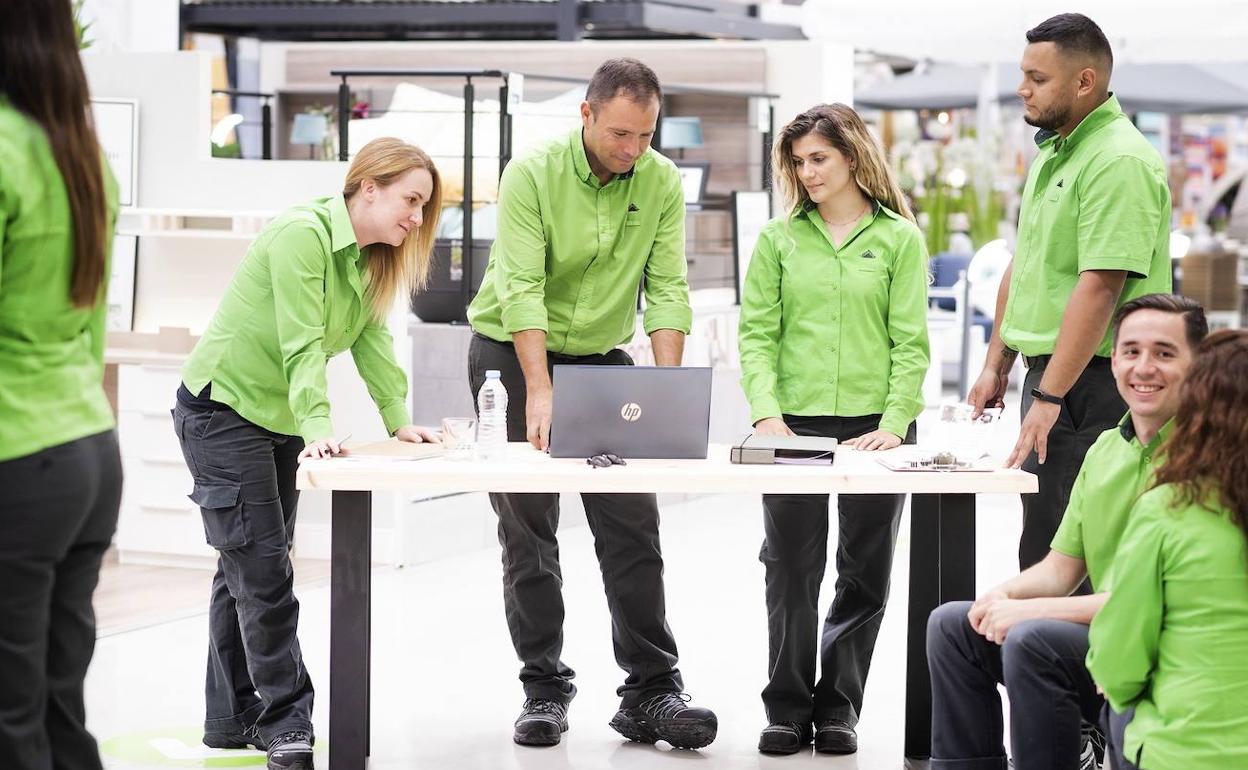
<point>493,374</point>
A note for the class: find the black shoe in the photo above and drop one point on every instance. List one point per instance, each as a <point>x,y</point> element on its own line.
<point>247,739</point>
<point>541,723</point>
<point>784,737</point>
<point>666,717</point>
<point>291,751</point>
<point>835,737</point>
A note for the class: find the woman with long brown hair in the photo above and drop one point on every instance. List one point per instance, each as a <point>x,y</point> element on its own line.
<point>318,281</point>
<point>1170,647</point>
<point>833,342</point>
<point>60,470</point>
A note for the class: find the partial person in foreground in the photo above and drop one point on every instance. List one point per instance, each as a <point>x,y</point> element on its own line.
<point>60,469</point>
<point>1170,647</point>
<point>581,221</point>
<point>833,339</point>
<point>1029,633</point>
<point>318,281</point>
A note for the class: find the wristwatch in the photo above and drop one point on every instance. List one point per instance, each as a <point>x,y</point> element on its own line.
<point>1048,398</point>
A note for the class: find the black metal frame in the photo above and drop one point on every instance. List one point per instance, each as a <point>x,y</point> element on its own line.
<point>266,114</point>
<point>496,20</point>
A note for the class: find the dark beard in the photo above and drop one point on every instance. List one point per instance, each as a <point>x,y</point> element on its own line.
<point>1050,120</point>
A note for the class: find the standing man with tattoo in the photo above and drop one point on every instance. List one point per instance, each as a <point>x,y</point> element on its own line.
<point>1093,233</point>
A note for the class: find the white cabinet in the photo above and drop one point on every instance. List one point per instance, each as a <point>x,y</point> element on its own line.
<point>158,523</point>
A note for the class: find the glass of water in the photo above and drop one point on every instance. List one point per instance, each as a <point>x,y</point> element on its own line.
<point>457,437</point>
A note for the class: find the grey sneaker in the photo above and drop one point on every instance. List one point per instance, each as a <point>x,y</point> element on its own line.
<point>667,717</point>
<point>1091,749</point>
<point>247,739</point>
<point>291,751</point>
<point>542,722</point>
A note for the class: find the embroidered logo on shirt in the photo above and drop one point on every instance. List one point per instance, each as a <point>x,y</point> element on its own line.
<point>867,254</point>
<point>632,207</point>
<point>1060,181</point>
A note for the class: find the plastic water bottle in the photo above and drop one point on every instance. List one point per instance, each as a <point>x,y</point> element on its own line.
<point>492,417</point>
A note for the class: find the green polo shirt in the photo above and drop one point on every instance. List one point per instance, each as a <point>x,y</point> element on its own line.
<point>1097,200</point>
<point>839,331</point>
<point>1115,472</point>
<point>51,353</point>
<point>571,252</point>
<point>1172,641</point>
<point>297,300</point>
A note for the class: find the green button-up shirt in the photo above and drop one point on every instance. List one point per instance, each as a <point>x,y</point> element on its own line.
<point>836,330</point>
<point>1097,200</point>
<point>1172,640</point>
<point>51,353</point>
<point>571,251</point>
<point>1115,472</point>
<point>297,300</point>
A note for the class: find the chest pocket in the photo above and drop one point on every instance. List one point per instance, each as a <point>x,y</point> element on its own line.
<point>633,219</point>
<point>1055,192</point>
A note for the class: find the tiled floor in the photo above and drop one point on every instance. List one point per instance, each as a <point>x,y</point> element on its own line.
<point>445,690</point>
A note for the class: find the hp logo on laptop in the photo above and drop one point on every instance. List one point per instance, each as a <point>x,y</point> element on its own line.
<point>630,412</point>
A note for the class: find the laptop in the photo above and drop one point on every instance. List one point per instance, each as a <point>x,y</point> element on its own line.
<point>631,411</point>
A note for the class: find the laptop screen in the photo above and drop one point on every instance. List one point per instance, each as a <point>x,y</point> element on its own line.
<point>631,411</point>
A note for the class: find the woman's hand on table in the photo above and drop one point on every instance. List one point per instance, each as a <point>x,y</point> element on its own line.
<point>321,449</point>
<point>417,434</point>
<point>772,426</point>
<point>875,440</point>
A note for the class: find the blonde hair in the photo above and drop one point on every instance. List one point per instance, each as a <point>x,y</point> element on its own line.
<point>844,130</point>
<point>404,268</point>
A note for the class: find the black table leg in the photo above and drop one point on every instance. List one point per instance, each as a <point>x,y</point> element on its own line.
<point>350,613</point>
<point>942,569</point>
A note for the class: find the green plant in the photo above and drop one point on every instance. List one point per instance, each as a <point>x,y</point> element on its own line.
<point>80,29</point>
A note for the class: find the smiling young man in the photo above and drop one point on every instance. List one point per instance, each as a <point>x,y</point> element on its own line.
<point>1030,633</point>
<point>581,221</point>
<point>1093,232</point>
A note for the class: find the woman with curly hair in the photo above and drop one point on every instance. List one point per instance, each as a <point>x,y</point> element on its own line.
<point>1170,647</point>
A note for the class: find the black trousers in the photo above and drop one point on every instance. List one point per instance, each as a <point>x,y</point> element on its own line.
<point>795,555</point>
<point>1042,667</point>
<point>58,512</point>
<point>1114,725</point>
<point>1092,407</point>
<point>245,488</point>
<point>626,540</point>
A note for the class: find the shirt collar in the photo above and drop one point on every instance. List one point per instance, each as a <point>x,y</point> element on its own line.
<point>341,233</point>
<point>580,161</point>
<point>1126,429</point>
<point>1104,114</point>
<point>877,208</point>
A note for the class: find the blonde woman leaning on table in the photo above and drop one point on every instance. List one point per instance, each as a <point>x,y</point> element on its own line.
<point>318,281</point>
<point>1170,646</point>
<point>833,343</point>
<point>60,470</point>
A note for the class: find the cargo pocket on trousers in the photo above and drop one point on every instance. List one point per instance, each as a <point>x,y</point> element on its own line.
<point>220,504</point>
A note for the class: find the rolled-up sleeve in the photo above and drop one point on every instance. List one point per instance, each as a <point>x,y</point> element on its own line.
<point>667,285</point>
<point>373,352</point>
<point>519,253</point>
<point>297,260</point>
<point>1123,204</point>
<point>758,337</point>
<point>907,331</point>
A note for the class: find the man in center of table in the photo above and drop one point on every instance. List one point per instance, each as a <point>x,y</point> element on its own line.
<point>582,220</point>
